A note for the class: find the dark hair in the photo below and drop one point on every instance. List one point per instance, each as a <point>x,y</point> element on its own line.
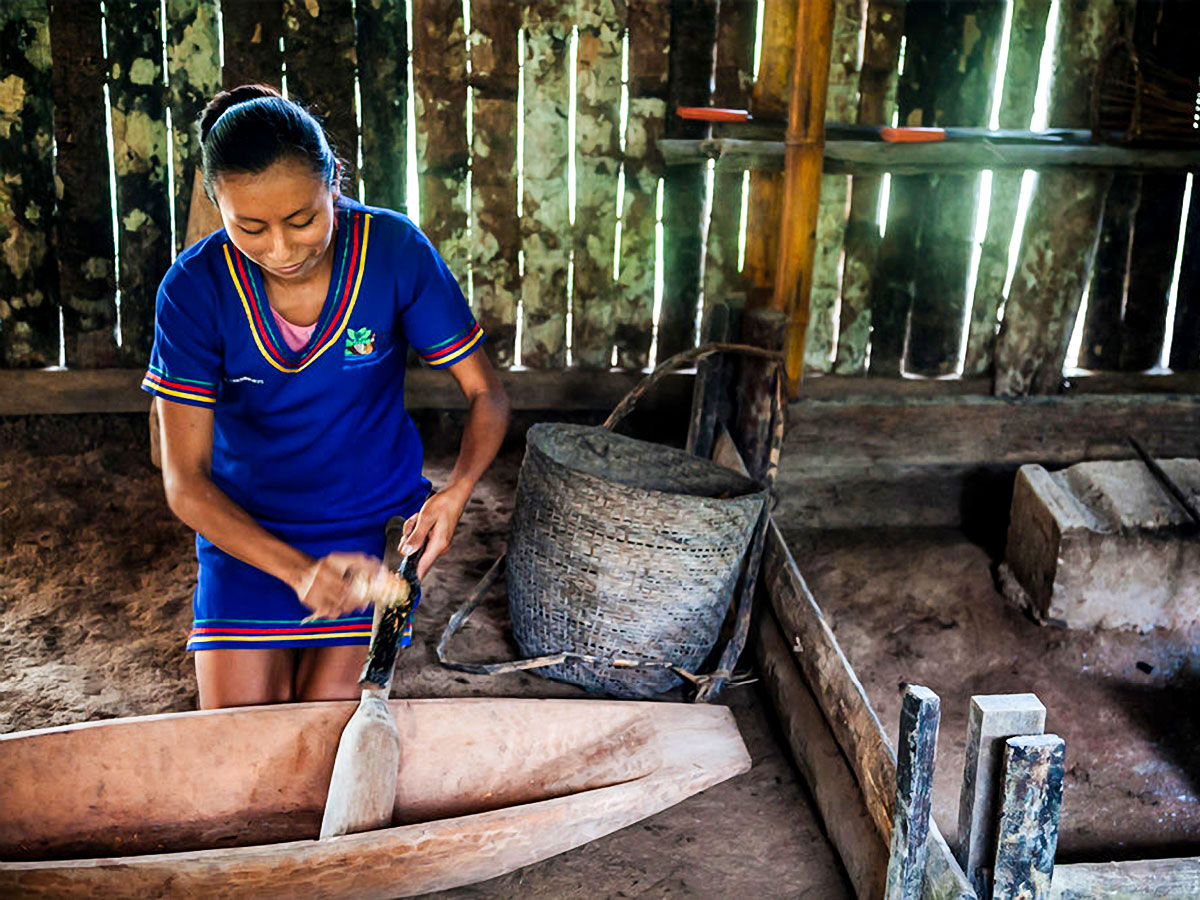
<point>252,126</point>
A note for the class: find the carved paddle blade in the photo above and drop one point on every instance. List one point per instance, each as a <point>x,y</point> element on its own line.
<point>362,789</point>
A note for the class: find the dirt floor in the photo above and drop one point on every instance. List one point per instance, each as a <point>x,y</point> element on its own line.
<point>95,603</point>
<point>922,606</point>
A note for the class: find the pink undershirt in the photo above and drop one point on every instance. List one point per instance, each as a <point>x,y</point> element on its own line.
<point>295,336</point>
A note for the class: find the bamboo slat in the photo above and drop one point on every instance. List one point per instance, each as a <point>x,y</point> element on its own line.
<point>440,71</point>
<point>84,238</point>
<point>497,229</point>
<point>382,53</point>
<point>1101,348</point>
<point>141,157</point>
<point>649,33</point>
<point>194,75</point>
<point>597,148</point>
<point>1185,346</point>
<point>1026,36</point>
<point>876,100</point>
<point>252,29</point>
<point>1060,228</point>
<point>692,50</point>
<point>319,50</point>
<point>841,101</point>
<point>734,80</point>
<point>28,298</point>
<point>964,75</point>
<point>545,225</point>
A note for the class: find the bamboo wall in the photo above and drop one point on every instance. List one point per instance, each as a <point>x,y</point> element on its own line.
<point>575,245</point>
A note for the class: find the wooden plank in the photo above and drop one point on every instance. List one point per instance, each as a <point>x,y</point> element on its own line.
<point>28,294</point>
<point>140,157</point>
<point>495,225</point>
<point>690,60</point>
<point>84,235</point>
<point>992,719</point>
<point>1060,228</point>
<point>1101,348</point>
<point>597,161</point>
<point>919,717</point>
<point>194,75</point>
<point>649,33</point>
<point>821,763</point>
<point>382,53</point>
<point>545,225</point>
<point>1149,879</point>
<point>876,100</point>
<point>252,30</point>
<point>1026,36</point>
<point>1185,346</point>
<point>1027,835</point>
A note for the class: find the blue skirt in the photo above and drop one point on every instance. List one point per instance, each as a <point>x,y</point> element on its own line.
<point>236,605</point>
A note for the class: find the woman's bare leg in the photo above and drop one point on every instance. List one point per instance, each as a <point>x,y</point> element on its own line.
<point>245,677</point>
<point>330,673</point>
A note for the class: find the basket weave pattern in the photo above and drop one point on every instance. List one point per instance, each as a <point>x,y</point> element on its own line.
<point>623,549</point>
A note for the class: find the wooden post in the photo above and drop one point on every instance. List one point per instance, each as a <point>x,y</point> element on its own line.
<point>84,237</point>
<point>382,52</point>
<point>802,178</point>
<point>993,719</point>
<point>252,29</point>
<point>1027,835</point>
<point>764,328</point>
<point>919,719</point>
<point>710,386</point>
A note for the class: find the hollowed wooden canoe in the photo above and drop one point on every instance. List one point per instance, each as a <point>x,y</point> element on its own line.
<point>228,802</point>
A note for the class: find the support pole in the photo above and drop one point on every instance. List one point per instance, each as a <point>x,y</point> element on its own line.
<point>1028,830</point>
<point>919,719</point>
<point>802,178</point>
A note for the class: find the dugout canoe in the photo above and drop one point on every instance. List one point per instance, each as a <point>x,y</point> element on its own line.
<point>229,802</point>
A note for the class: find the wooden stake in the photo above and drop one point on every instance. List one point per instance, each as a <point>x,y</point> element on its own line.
<point>919,719</point>
<point>1028,831</point>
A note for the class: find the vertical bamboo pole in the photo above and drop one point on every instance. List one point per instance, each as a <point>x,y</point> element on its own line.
<point>1026,36</point>
<point>802,178</point>
<point>194,75</point>
<point>597,147</point>
<point>382,53</point>
<point>440,73</point>
<point>832,214</point>
<point>84,237</point>
<point>141,157</point>
<point>545,226</point>
<point>876,100</point>
<point>497,230</point>
<point>252,29</point>
<point>649,33</point>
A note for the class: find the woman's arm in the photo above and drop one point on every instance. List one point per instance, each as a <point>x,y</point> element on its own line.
<point>487,421</point>
<point>187,466</point>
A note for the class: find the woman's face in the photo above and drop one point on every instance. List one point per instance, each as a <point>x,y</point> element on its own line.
<point>282,217</point>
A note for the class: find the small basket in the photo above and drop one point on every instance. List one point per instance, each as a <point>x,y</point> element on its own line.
<point>623,558</point>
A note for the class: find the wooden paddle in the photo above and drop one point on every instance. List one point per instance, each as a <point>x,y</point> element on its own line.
<point>362,789</point>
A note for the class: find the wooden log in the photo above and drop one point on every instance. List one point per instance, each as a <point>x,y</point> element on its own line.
<point>1027,834</point>
<point>252,30</point>
<point>755,388</point>
<point>83,238</point>
<point>711,386</point>
<point>545,225</point>
<point>1060,228</point>
<point>733,81</point>
<point>1185,347</point>
<point>1027,33</point>
<point>690,60</point>
<point>193,75</point>
<point>992,719</point>
<point>141,157</point>
<point>1149,879</point>
<point>382,53</point>
<point>28,292</point>
<point>597,149</point>
<point>965,76</point>
<point>1101,348</point>
<point>876,100</point>
<point>841,104</point>
<point>824,769</point>
<point>919,718</point>
<point>495,225</point>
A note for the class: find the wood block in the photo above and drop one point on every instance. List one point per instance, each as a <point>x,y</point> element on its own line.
<point>1027,836</point>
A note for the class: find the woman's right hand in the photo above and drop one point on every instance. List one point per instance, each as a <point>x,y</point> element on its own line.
<point>342,583</point>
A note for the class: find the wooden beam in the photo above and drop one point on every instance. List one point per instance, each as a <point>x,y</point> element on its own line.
<point>1027,835</point>
<point>1144,879</point>
<point>919,718</point>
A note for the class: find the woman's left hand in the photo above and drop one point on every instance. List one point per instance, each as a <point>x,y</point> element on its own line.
<point>433,527</point>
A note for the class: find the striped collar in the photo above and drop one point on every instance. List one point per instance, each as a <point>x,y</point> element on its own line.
<point>349,264</point>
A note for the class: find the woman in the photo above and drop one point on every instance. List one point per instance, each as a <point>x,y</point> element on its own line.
<point>279,359</point>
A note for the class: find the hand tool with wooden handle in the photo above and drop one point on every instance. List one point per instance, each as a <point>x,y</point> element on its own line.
<point>362,790</point>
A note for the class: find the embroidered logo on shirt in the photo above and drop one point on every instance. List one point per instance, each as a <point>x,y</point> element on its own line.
<point>359,342</point>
